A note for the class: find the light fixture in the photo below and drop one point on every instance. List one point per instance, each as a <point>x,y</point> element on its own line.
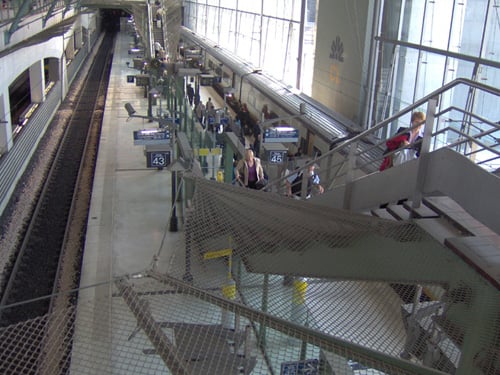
<point>255,71</point>
<point>154,92</point>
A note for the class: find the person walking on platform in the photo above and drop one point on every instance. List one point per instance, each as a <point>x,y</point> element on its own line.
<point>249,170</point>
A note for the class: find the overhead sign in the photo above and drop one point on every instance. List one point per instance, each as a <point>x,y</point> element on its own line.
<point>281,134</point>
<point>139,63</point>
<point>166,121</point>
<point>141,80</point>
<point>307,367</point>
<point>151,137</point>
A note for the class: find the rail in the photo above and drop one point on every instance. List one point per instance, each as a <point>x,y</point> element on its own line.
<point>447,125</point>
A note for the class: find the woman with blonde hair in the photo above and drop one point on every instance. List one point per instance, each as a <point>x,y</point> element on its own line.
<point>249,170</point>
<point>408,138</point>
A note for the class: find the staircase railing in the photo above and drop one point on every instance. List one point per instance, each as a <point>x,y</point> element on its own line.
<point>447,125</point>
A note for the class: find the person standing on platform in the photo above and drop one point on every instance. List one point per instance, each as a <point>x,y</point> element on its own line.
<point>243,116</point>
<point>257,138</point>
<point>200,112</point>
<point>210,114</point>
<point>190,94</point>
<point>264,113</point>
<point>210,105</point>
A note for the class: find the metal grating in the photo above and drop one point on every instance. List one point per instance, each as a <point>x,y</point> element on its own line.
<point>13,164</point>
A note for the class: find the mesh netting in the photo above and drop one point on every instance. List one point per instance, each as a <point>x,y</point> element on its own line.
<point>270,285</point>
<point>160,325</point>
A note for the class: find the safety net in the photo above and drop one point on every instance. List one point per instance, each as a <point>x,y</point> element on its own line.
<point>264,284</point>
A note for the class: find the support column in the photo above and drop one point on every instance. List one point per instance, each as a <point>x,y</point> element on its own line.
<point>63,71</point>
<point>79,37</point>
<point>53,70</point>
<point>480,342</point>
<point>261,339</point>
<point>37,82</point>
<point>5,123</point>
<point>299,309</point>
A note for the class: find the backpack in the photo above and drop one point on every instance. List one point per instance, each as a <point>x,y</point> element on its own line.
<point>247,130</point>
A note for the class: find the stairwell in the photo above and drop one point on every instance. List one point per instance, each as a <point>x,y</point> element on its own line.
<point>447,222</point>
<point>158,36</point>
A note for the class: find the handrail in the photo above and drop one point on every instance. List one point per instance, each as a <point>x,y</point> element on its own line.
<point>368,141</point>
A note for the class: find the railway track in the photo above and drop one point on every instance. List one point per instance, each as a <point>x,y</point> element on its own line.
<point>48,260</point>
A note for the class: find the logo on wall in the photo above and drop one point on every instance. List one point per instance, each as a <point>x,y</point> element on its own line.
<point>337,50</point>
<point>336,53</point>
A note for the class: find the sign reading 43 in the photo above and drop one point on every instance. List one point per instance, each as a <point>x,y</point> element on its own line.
<point>158,159</point>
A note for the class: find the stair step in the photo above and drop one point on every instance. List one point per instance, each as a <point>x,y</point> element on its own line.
<point>422,211</point>
<point>452,210</point>
<point>439,228</point>
<point>399,211</point>
<point>382,213</point>
<point>482,252</point>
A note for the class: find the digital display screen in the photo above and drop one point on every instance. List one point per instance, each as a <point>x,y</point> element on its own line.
<point>151,136</point>
<point>281,134</point>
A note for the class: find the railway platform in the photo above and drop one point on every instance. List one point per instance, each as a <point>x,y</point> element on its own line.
<point>130,253</point>
<point>216,295</point>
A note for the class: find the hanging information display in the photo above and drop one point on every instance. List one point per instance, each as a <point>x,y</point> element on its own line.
<point>151,136</point>
<point>141,79</point>
<point>281,134</point>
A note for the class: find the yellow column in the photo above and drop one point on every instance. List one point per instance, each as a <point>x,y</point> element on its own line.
<point>229,288</point>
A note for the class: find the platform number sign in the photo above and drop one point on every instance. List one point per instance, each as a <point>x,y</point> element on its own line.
<point>307,367</point>
<point>158,159</point>
<point>277,157</point>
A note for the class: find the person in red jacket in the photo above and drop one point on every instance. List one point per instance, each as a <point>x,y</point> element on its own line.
<point>404,138</point>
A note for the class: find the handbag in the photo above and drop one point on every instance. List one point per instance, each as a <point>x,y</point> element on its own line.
<point>402,156</point>
<point>261,184</point>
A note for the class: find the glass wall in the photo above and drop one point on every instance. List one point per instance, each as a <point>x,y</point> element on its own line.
<point>265,33</point>
<point>421,45</point>
<point>426,44</point>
